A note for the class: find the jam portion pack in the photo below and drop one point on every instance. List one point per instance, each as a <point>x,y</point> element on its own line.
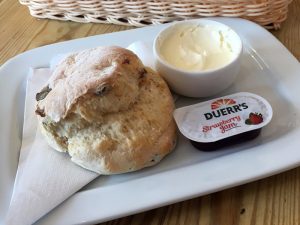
<point>223,121</point>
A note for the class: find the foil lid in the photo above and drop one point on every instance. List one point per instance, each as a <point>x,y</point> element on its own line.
<point>223,117</point>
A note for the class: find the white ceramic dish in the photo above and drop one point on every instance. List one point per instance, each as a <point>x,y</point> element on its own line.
<point>267,69</point>
<point>201,83</point>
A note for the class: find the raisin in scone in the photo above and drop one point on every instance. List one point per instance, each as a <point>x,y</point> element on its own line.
<point>107,111</point>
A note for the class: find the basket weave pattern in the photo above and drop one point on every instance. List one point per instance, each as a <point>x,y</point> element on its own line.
<point>268,13</point>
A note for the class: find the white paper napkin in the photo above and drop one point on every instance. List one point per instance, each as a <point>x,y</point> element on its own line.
<point>144,51</point>
<point>45,177</point>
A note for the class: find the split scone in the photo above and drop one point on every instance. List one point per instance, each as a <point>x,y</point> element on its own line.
<point>107,111</point>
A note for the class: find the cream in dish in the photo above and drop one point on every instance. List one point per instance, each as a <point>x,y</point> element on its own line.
<point>194,47</point>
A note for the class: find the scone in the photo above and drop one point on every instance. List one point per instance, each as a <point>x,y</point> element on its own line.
<point>107,111</point>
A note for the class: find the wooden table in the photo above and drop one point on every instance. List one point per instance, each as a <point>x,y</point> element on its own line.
<point>274,200</point>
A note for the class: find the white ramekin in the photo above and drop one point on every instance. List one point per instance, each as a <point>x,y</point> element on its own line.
<point>199,83</point>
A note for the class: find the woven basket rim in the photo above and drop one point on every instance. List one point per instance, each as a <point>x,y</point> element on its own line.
<point>268,13</point>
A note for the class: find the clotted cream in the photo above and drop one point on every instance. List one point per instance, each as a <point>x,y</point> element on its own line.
<point>193,47</point>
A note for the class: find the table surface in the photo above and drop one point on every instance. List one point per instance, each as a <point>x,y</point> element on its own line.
<point>274,200</point>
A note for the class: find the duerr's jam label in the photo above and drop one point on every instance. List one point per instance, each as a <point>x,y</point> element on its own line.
<point>223,117</point>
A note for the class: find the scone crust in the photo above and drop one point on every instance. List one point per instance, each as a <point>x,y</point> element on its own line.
<point>90,72</point>
<point>132,133</point>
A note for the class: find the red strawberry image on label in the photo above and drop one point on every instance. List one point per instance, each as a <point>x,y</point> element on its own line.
<point>254,119</point>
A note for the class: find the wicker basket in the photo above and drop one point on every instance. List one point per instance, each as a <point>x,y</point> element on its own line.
<point>268,13</point>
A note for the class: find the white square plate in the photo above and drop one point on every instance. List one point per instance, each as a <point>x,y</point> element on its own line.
<point>268,69</point>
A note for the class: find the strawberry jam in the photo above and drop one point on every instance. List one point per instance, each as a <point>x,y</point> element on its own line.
<point>223,143</point>
<point>224,121</point>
